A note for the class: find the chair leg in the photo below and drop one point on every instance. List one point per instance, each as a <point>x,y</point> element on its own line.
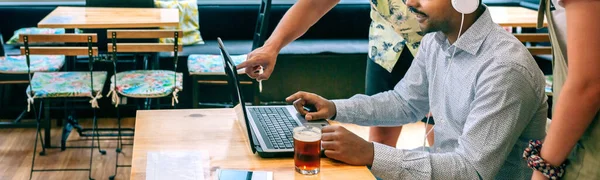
<point>60,122</point>
<point>65,135</point>
<point>21,116</point>
<point>195,93</point>
<point>2,95</point>
<point>38,136</point>
<point>92,146</point>
<point>148,104</point>
<point>5,93</point>
<point>95,132</point>
<point>47,121</point>
<point>158,103</point>
<point>37,118</point>
<point>119,145</point>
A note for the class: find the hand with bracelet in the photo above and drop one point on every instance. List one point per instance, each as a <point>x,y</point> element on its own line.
<point>576,118</point>
<point>535,161</point>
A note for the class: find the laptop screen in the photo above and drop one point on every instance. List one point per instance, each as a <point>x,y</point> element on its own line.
<point>236,95</point>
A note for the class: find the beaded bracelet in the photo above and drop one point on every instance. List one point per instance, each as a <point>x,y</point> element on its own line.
<point>535,162</point>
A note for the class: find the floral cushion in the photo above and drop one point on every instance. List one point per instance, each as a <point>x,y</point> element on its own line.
<point>147,83</point>
<point>39,63</point>
<point>66,84</point>
<point>33,30</point>
<point>202,64</point>
<point>189,21</point>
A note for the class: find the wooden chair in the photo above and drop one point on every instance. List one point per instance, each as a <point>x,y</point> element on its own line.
<point>13,70</point>
<point>538,50</point>
<point>207,69</point>
<point>50,85</point>
<point>143,83</point>
<point>536,38</point>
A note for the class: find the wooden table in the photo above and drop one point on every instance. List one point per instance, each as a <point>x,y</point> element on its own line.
<point>88,18</point>
<point>106,18</point>
<point>514,16</point>
<point>217,132</point>
<point>85,17</point>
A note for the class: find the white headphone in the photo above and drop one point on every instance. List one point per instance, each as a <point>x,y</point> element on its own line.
<point>465,6</point>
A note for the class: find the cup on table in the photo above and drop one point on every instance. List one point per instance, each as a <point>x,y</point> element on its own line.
<point>307,150</point>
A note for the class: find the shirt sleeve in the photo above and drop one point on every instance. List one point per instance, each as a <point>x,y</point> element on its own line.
<point>504,104</point>
<point>407,103</point>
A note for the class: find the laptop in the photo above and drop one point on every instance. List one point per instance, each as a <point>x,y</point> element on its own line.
<point>269,128</point>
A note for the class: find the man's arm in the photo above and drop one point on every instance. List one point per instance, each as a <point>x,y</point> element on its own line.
<point>297,20</point>
<point>407,103</point>
<point>294,24</point>
<point>579,100</point>
<point>503,106</point>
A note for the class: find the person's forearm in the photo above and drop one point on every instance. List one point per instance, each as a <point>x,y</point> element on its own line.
<point>297,20</point>
<point>382,109</point>
<point>392,163</point>
<point>579,99</point>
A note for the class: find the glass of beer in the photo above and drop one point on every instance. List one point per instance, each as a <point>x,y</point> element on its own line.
<point>307,150</point>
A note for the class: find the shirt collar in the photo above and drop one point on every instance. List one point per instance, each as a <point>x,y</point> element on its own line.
<point>470,41</point>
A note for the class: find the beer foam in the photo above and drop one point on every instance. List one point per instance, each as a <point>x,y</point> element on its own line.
<point>307,136</point>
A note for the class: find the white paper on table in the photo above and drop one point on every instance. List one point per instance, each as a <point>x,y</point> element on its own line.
<point>181,165</point>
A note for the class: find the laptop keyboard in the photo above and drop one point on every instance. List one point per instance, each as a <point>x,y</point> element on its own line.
<point>278,125</point>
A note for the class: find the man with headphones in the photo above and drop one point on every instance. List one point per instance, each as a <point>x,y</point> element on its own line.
<point>480,82</point>
<point>394,38</point>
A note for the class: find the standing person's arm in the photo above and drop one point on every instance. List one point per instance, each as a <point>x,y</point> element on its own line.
<point>579,100</point>
<point>294,24</point>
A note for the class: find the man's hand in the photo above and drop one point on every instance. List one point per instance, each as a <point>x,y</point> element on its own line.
<point>343,145</point>
<point>264,57</point>
<point>325,108</point>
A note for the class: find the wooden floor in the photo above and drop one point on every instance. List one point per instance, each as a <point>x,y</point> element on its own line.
<point>16,151</point>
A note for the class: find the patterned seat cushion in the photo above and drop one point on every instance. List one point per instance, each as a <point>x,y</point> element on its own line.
<point>205,64</point>
<point>146,83</point>
<point>39,63</point>
<point>66,84</point>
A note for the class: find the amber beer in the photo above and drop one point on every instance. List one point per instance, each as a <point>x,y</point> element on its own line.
<point>307,149</point>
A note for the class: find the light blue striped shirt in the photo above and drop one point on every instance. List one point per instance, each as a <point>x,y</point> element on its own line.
<point>488,102</point>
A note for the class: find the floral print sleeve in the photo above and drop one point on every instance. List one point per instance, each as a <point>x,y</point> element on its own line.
<point>393,27</point>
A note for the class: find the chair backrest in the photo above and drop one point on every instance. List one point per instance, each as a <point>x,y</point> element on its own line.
<point>536,38</point>
<point>28,39</point>
<point>142,34</point>
<point>262,24</point>
<point>144,47</point>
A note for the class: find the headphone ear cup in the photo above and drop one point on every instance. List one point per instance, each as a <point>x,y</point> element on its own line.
<point>465,6</point>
